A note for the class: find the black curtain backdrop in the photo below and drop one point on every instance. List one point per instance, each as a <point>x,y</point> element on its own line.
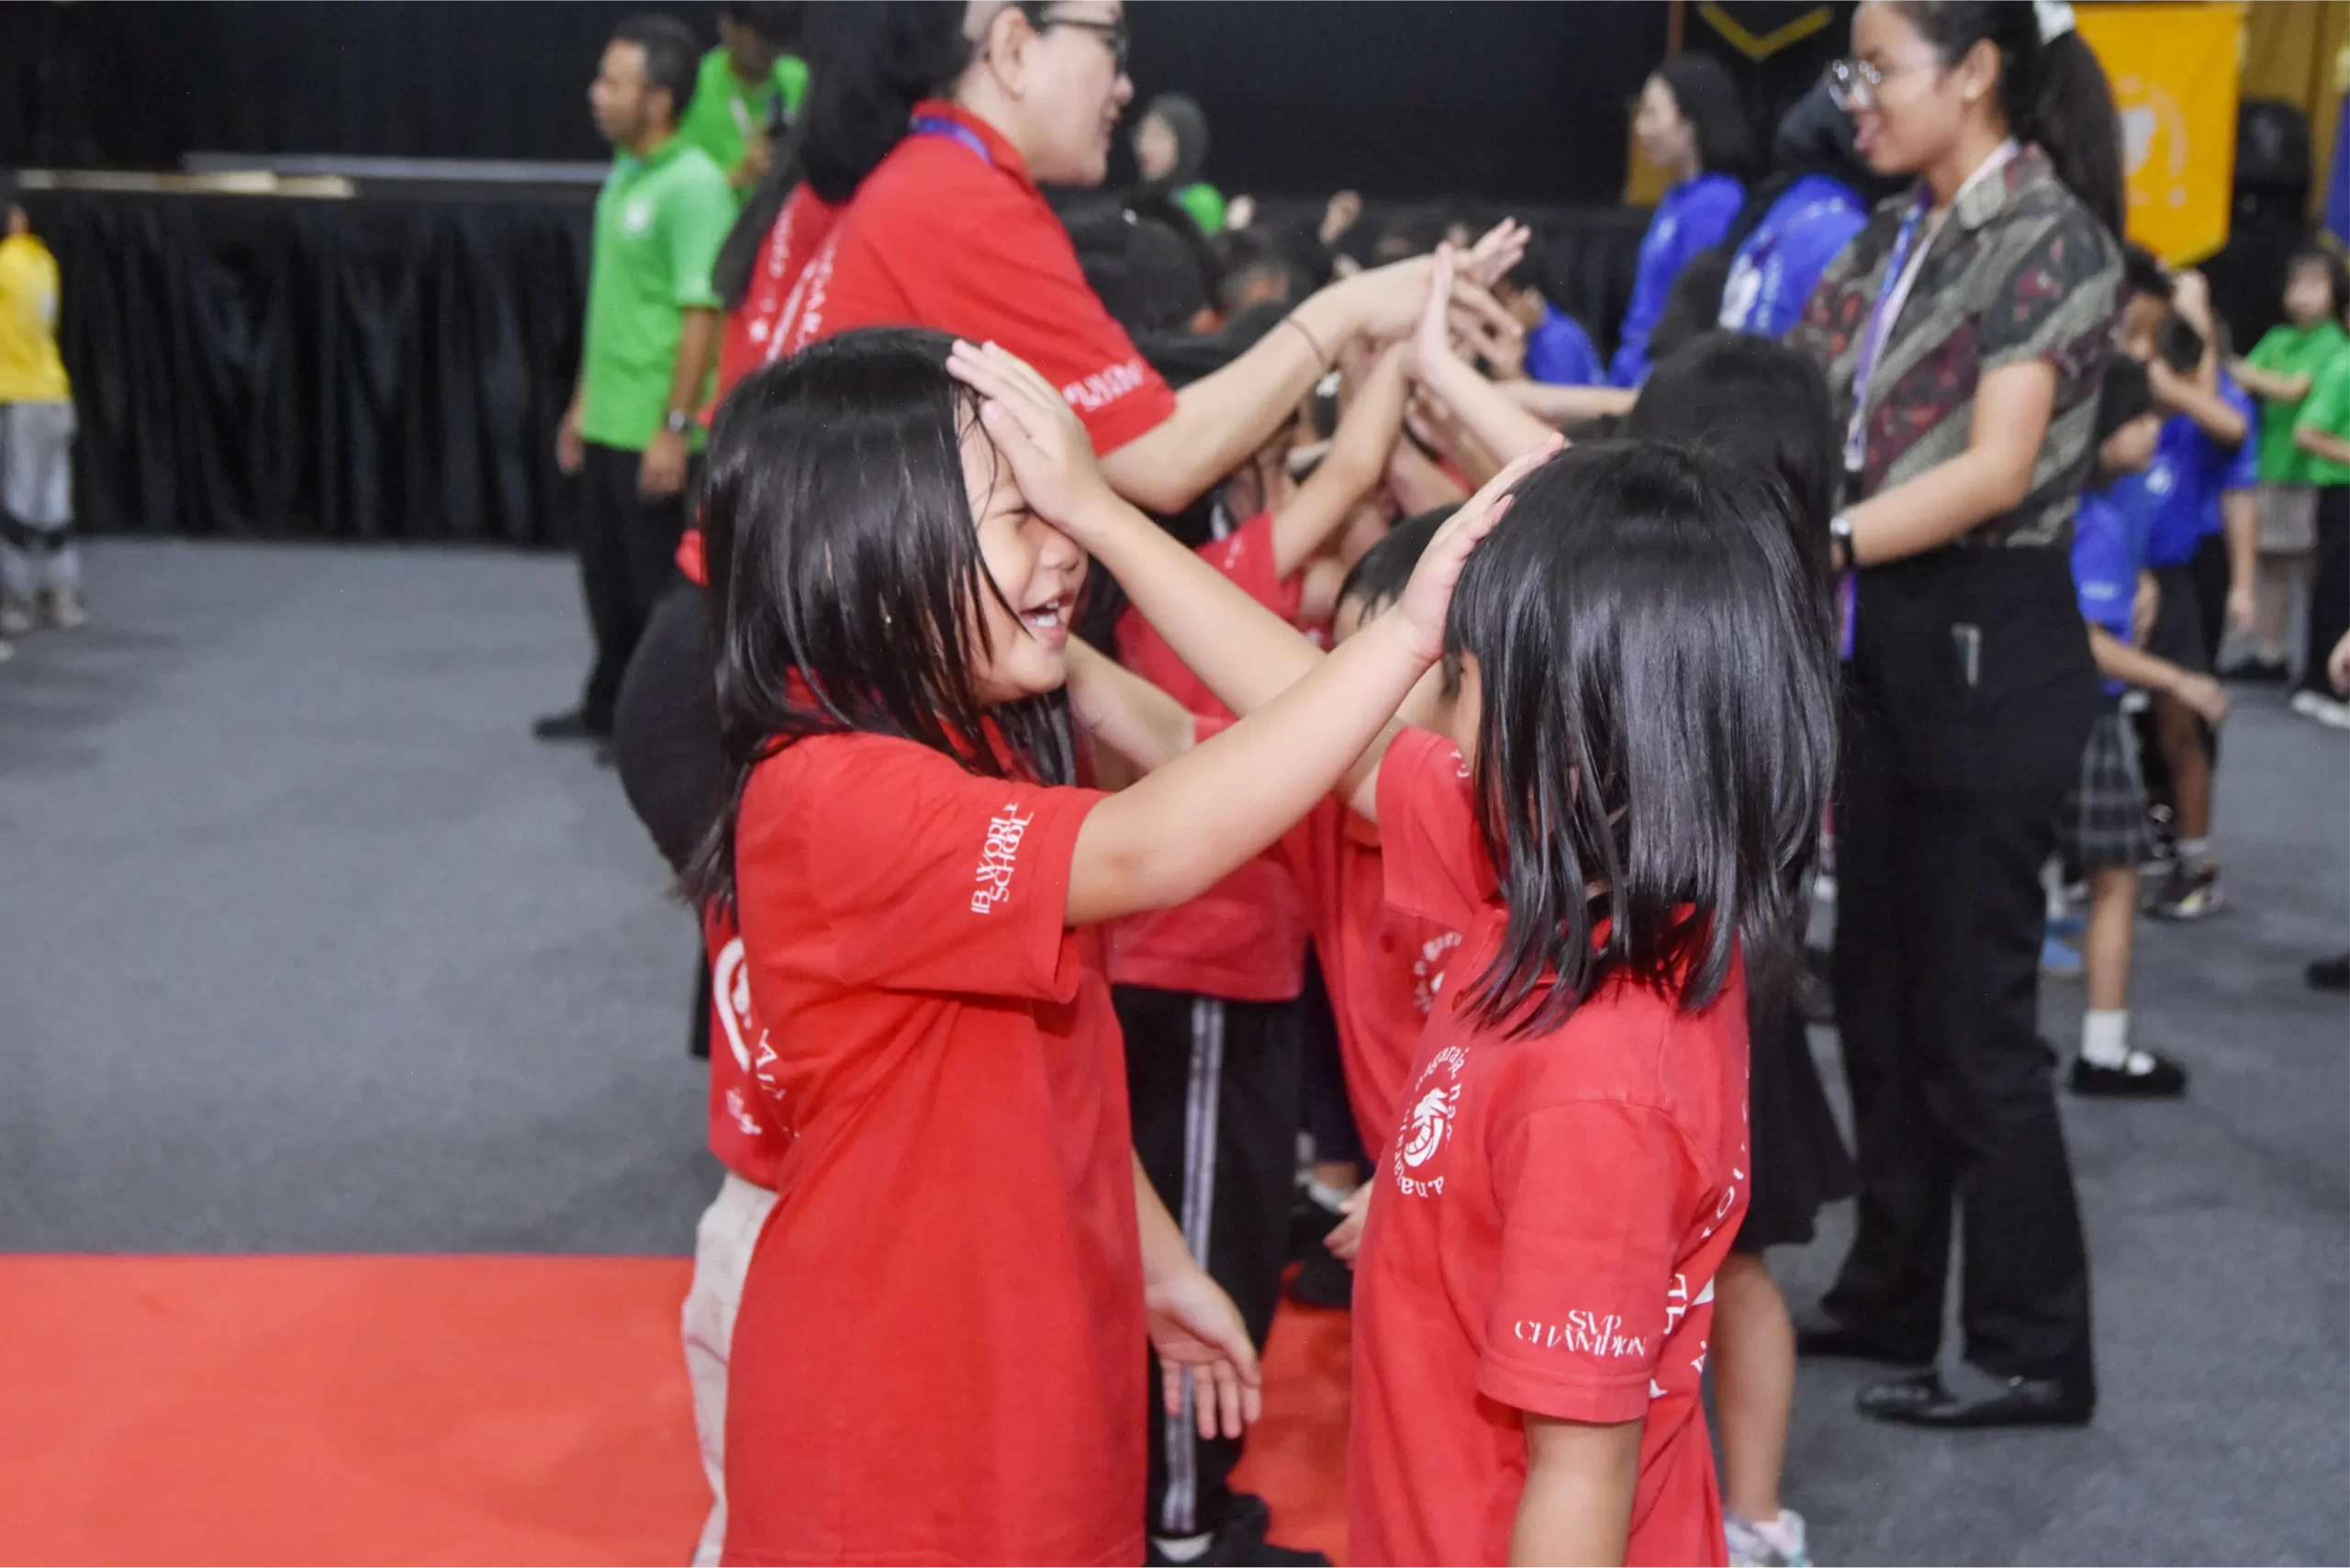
<point>1406,99</point>
<point>344,370</point>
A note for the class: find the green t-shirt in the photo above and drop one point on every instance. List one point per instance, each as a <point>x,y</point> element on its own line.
<point>2292,351</point>
<point>659,225</point>
<point>2327,408</point>
<point>726,111</point>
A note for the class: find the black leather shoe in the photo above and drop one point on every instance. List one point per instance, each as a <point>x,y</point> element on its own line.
<point>1923,1399</point>
<point>1820,1335</point>
<point>573,726</point>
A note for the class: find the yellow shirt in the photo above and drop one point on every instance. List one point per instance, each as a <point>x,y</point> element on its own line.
<point>30,370</point>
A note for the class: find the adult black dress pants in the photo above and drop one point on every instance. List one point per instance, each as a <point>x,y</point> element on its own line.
<point>2329,611</point>
<point>1214,1087</point>
<point>627,549</point>
<point>1938,925</point>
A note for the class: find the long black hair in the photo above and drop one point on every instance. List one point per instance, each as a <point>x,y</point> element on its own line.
<point>844,567</point>
<point>1656,725</point>
<point>1708,99</point>
<point>869,66</point>
<point>1754,401</point>
<point>2053,94</point>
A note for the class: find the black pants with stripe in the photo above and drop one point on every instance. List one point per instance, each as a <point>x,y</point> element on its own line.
<point>1216,1087</point>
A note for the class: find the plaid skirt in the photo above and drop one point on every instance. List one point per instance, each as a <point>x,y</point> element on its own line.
<point>2103,826</point>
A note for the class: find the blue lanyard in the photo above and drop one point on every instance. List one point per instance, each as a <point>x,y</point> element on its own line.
<point>1856,435</point>
<point>932,124</point>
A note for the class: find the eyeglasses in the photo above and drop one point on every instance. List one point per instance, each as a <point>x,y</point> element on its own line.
<point>1116,36</point>
<point>1853,84</point>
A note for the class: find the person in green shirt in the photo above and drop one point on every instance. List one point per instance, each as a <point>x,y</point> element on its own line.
<point>2281,371</point>
<point>751,81</point>
<point>646,360</point>
<point>2323,432</point>
<point>1170,151</point>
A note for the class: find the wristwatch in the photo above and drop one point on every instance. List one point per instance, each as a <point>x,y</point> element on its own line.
<point>677,421</point>
<point>1840,541</point>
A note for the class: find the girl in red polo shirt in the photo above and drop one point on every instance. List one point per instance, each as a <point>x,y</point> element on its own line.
<point>937,1354</point>
<point>1648,697</point>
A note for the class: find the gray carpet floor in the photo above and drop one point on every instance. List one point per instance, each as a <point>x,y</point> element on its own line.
<point>305,945</point>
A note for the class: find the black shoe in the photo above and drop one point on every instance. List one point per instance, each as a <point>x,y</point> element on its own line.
<point>2330,974</point>
<point>2264,672</point>
<point>1323,1280</point>
<point>1922,1400</point>
<point>1824,1336</point>
<point>2148,1076</point>
<point>573,726</point>
<point>1249,1514</point>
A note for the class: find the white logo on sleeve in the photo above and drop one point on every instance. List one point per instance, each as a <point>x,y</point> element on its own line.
<point>1428,1124</point>
<point>1597,1334</point>
<point>1105,385</point>
<point>730,982</point>
<point>999,859</point>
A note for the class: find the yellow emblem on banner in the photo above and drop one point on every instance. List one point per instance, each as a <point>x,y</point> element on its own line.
<point>2174,72</point>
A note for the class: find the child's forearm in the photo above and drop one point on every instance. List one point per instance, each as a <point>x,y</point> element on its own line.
<point>1577,1504</point>
<point>1486,411</point>
<point>1357,458</point>
<point>1164,1251</point>
<point>1565,406</point>
<point>1186,827</point>
<point>1241,651</point>
<point>2267,383</point>
<point>2118,660</point>
<point>1125,712</point>
<point>2324,443</point>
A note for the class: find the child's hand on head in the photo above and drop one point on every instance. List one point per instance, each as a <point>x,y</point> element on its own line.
<point>1498,250</point>
<point>1426,599</point>
<point>1038,433</point>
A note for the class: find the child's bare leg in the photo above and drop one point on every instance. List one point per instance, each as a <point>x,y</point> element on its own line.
<point>1754,1385</point>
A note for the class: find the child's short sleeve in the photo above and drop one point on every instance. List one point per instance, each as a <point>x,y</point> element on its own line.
<point>2241,470</point>
<point>1433,852</point>
<point>1245,556</point>
<point>1588,1191</point>
<point>2275,346</point>
<point>927,877</point>
<point>2328,408</point>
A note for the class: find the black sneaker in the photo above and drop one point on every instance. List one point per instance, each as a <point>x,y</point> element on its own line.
<point>1235,1546</point>
<point>573,725</point>
<point>2330,974</point>
<point>2148,1076</point>
<point>2188,893</point>
<point>2262,672</point>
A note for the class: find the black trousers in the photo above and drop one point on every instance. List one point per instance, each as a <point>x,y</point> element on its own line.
<point>2329,613</point>
<point>628,548</point>
<point>1214,1086</point>
<point>1940,919</point>
<point>665,744</point>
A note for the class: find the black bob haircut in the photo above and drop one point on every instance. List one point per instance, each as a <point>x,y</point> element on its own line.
<point>2312,254</point>
<point>672,56</point>
<point>2123,394</point>
<point>844,569</point>
<point>2142,273</point>
<point>1754,401</point>
<point>1707,97</point>
<point>1657,723</point>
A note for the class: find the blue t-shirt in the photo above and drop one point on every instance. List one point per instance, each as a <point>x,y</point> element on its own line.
<point>2189,474</point>
<point>1559,351</point>
<point>1777,266</point>
<point>1692,217</point>
<point>2108,548</point>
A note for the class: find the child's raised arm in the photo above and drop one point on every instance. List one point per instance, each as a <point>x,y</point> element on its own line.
<point>1194,821</point>
<point>1125,712</point>
<point>1483,410</point>
<point>1348,471</point>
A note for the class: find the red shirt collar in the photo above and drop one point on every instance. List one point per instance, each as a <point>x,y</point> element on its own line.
<point>1006,156</point>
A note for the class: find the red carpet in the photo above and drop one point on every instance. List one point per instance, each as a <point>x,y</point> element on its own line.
<point>465,1410</point>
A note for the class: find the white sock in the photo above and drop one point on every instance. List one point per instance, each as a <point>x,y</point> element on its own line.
<point>2194,849</point>
<point>2105,1038</point>
<point>1184,1548</point>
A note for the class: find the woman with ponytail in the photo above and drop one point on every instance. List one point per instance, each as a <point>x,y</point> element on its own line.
<point>1963,332</point>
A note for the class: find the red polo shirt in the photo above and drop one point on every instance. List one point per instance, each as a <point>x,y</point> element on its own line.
<point>744,1133</point>
<point>949,232</point>
<point>1544,1229</point>
<point>753,335</point>
<point>939,1356</point>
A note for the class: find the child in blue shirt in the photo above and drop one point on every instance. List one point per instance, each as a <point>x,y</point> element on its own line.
<point>2104,822</point>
